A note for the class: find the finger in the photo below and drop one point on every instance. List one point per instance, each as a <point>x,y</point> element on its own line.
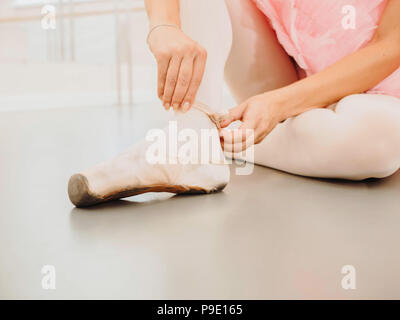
<point>170,81</point>
<point>235,114</point>
<point>162,68</point>
<point>236,136</point>
<point>236,147</point>
<point>198,72</point>
<point>240,145</point>
<point>183,81</point>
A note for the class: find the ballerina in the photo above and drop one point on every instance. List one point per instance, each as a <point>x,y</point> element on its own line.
<point>317,92</point>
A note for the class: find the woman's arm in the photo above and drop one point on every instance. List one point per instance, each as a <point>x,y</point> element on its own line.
<point>163,12</point>
<point>180,60</point>
<point>355,73</point>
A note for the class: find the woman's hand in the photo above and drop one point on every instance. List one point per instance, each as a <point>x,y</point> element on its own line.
<point>259,114</point>
<point>181,62</point>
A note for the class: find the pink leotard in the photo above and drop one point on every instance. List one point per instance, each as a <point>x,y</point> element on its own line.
<point>314,34</point>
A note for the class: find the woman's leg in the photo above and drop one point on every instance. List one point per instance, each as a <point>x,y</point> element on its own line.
<point>240,44</point>
<point>132,172</point>
<point>357,138</point>
<point>208,23</point>
<point>257,62</point>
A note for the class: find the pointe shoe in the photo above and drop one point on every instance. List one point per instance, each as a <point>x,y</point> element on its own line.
<point>130,173</point>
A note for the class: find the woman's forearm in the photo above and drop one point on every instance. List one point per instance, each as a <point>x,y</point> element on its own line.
<point>180,60</point>
<point>355,73</point>
<point>163,12</point>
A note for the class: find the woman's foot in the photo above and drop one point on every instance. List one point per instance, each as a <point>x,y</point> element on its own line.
<point>132,172</point>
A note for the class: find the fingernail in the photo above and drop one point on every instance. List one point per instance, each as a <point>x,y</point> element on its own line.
<point>166,106</point>
<point>175,106</point>
<point>186,106</point>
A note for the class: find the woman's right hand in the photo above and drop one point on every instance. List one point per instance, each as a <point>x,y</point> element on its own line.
<point>181,63</point>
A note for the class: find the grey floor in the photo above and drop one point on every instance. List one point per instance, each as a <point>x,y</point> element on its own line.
<point>269,235</point>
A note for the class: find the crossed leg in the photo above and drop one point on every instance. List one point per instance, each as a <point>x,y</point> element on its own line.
<point>357,138</point>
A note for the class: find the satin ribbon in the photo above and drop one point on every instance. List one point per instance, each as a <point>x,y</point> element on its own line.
<point>215,117</point>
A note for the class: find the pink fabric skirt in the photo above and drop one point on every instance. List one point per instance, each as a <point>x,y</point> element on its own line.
<point>312,32</point>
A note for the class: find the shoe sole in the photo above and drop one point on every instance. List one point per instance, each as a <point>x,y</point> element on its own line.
<point>81,196</point>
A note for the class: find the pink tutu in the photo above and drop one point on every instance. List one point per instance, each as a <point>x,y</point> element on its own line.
<point>311,31</point>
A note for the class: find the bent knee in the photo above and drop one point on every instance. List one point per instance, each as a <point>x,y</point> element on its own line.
<point>372,127</point>
<point>377,161</point>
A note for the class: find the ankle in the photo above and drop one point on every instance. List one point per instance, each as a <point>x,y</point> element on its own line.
<point>191,137</point>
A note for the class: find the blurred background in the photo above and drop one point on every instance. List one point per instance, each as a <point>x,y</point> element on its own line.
<point>69,53</point>
<point>66,53</point>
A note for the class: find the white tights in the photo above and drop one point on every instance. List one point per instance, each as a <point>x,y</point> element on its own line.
<point>356,138</point>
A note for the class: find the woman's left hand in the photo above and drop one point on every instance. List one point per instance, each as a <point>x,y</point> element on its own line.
<point>259,115</point>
